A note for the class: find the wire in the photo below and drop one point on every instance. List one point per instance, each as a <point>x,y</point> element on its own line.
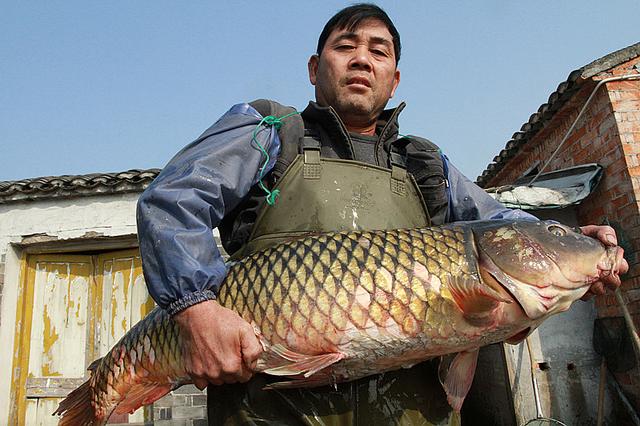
<point>584,108</point>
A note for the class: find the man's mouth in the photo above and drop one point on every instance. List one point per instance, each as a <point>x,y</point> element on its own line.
<point>358,81</point>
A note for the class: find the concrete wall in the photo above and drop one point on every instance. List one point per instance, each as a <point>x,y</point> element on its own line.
<point>58,226</point>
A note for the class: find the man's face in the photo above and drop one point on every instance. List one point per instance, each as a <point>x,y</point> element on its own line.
<point>356,72</point>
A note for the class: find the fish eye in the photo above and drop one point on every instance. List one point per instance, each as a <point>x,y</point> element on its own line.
<point>556,230</point>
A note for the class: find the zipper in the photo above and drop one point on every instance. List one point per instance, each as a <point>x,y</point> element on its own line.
<point>392,119</point>
<point>345,132</point>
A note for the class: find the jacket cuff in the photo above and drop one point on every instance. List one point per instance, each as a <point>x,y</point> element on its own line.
<point>190,300</point>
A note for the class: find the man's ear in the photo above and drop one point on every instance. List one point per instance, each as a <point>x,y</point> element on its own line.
<point>312,66</point>
<point>396,81</point>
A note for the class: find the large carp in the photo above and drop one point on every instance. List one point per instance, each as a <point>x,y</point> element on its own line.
<point>336,307</point>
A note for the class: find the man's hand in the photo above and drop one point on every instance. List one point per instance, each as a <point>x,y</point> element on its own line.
<point>609,279</point>
<point>219,346</point>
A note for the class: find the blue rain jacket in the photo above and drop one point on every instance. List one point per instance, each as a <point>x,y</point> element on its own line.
<point>177,213</point>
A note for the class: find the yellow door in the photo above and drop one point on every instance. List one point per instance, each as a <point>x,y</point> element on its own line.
<point>72,309</point>
<point>123,301</point>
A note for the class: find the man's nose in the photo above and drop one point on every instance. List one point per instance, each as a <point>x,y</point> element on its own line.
<point>361,59</point>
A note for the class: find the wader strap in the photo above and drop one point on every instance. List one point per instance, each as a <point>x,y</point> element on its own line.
<point>311,151</point>
<point>398,171</point>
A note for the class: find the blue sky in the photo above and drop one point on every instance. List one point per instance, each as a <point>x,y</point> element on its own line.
<point>108,86</point>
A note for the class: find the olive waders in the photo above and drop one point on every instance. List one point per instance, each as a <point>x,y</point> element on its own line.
<point>321,195</point>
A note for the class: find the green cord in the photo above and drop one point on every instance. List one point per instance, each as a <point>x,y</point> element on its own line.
<point>276,122</point>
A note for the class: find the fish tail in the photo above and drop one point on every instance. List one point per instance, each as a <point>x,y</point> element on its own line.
<point>77,409</point>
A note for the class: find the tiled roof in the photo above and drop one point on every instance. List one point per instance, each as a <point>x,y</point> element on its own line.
<point>68,186</point>
<point>563,93</point>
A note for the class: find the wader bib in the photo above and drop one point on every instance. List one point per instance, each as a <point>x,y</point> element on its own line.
<point>322,195</point>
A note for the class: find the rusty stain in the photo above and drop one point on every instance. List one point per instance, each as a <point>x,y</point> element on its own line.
<point>50,337</point>
<point>146,307</point>
<point>125,294</point>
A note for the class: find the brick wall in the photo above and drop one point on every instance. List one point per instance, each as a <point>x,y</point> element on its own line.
<point>186,406</point>
<point>608,134</point>
<point>624,189</point>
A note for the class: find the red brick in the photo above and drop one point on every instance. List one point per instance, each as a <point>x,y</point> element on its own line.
<point>634,171</point>
<point>622,117</point>
<point>630,137</point>
<point>616,166</point>
<point>623,85</point>
<point>620,202</point>
<point>630,148</point>
<point>626,105</point>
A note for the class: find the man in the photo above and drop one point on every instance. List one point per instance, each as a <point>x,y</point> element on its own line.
<point>218,181</point>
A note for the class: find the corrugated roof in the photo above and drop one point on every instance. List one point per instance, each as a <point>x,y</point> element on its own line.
<point>68,186</point>
<point>557,99</point>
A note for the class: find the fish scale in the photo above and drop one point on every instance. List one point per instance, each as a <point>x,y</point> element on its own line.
<point>340,306</point>
<point>388,258</point>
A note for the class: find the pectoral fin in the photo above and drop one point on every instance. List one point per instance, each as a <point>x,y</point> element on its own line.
<point>456,377</point>
<point>476,300</point>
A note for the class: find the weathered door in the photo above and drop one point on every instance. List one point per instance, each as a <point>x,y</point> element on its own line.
<point>124,301</point>
<point>72,309</point>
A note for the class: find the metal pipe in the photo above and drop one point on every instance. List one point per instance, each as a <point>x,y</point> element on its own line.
<point>534,382</point>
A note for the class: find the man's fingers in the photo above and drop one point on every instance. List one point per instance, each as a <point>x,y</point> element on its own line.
<point>604,233</point>
<point>238,373</point>
<point>611,279</point>
<point>250,347</point>
<point>222,352</point>
<point>621,263</point>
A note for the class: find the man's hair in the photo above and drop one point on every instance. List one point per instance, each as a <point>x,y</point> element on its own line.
<point>351,17</point>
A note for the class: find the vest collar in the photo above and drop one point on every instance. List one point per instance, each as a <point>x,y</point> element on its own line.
<point>327,118</point>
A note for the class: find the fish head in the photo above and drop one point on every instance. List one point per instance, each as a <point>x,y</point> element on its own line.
<point>545,266</point>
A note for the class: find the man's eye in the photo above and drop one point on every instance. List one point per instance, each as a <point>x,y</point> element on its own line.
<point>379,52</point>
<point>344,47</point>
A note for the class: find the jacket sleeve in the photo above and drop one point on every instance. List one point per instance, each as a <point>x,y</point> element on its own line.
<point>470,202</point>
<point>176,214</point>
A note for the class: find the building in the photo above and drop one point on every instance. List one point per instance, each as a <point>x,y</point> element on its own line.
<point>592,117</point>
<point>71,285</point>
